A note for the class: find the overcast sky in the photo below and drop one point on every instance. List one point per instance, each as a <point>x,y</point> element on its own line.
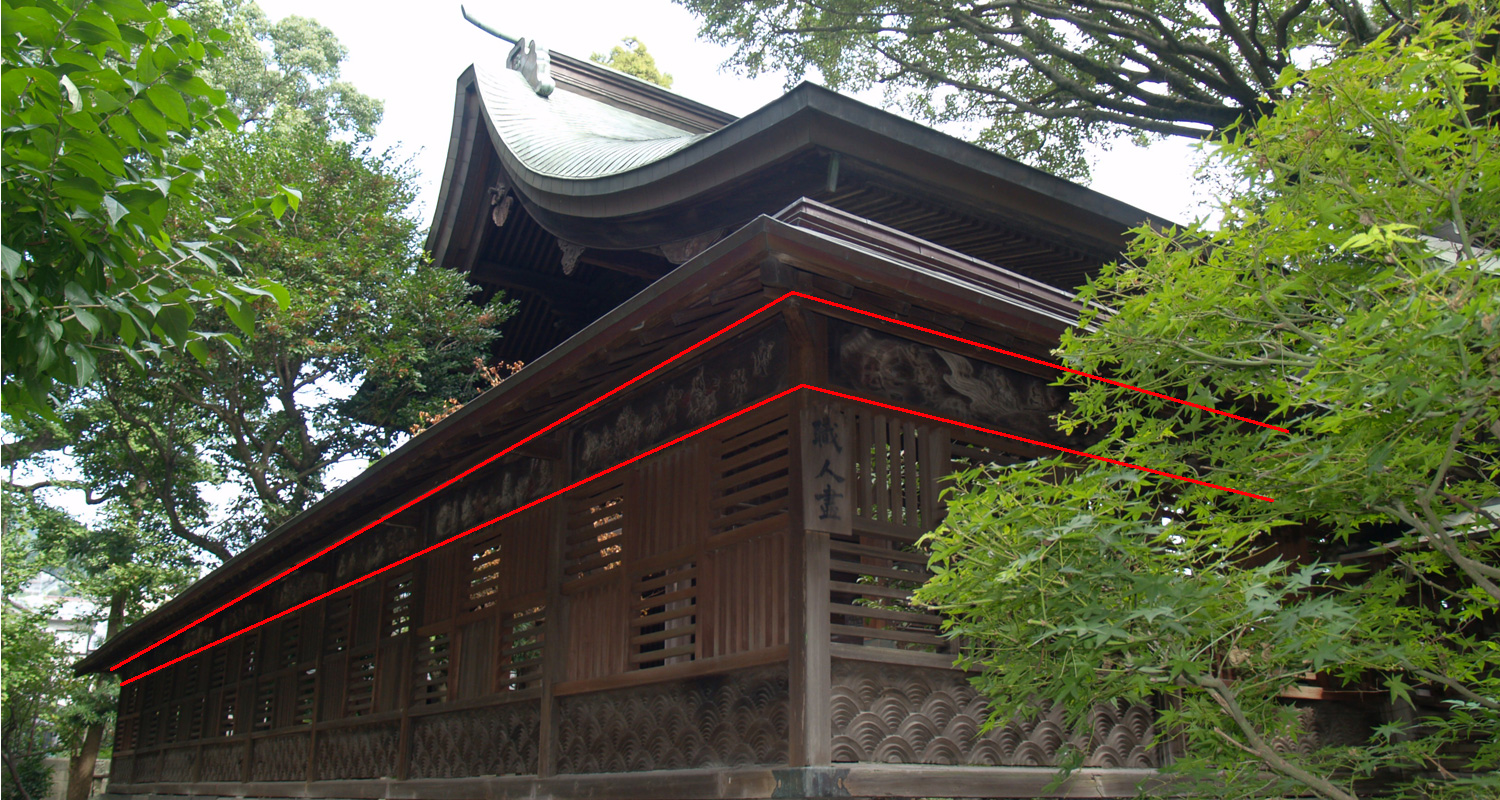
<point>412,60</point>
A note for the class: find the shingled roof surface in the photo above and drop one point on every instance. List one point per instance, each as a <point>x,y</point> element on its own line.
<point>567,135</point>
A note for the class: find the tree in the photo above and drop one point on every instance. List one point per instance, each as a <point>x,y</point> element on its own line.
<point>284,73</point>
<point>1041,78</point>
<point>366,314</point>
<point>367,335</point>
<point>1348,295</point>
<point>96,96</point>
<point>631,58</point>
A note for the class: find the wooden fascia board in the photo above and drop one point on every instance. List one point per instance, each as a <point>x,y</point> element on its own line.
<point>806,250</point>
<point>456,166</point>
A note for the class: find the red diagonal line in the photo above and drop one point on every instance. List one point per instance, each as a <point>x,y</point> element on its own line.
<point>481,526</point>
<point>445,484</point>
<point>1003,351</point>
<point>601,398</point>
<point>1059,448</point>
<point>646,454</point>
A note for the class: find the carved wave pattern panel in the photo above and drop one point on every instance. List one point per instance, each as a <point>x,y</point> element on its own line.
<point>367,751</point>
<point>120,769</point>
<point>500,740</point>
<point>1327,724</point>
<point>280,758</point>
<point>222,762</point>
<point>147,768</point>
<point>911,715</point>
<point>177,766</point>
<point>737,719</point>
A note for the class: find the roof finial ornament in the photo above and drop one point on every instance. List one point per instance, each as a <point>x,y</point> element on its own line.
<point>527,57</point>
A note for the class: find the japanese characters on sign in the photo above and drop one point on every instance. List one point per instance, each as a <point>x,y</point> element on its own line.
<point>827,469</point>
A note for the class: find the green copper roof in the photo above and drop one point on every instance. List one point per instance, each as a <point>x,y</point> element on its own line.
<point>566,135</point>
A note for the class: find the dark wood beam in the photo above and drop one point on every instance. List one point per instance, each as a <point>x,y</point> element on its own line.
<point>630,262</point>
<point>549,286</point>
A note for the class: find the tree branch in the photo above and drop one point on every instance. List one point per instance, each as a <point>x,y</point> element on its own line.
<point>1227,700</point>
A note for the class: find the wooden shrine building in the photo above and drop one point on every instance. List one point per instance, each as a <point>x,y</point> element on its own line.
<point>681,568</point>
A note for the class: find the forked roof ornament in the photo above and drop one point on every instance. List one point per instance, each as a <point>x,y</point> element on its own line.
<point>527,57</point>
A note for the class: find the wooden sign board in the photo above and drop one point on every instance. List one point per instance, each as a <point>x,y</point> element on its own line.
<point>827,469</point>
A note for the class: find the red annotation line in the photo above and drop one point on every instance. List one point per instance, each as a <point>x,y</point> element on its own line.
<point>445,484</point>
<point>455,537</point>
<point>648,453</point>
<point>1058,448</point>
<point>601,398</point>
<point>994,349</point>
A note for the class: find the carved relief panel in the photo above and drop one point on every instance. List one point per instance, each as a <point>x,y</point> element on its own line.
<point>730,378</point>
<point>737,719</point>
<point>928,378</point>
<point>914,715</point>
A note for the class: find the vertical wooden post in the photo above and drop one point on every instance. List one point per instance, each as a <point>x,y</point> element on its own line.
<point>406,656</point>
<point>809,681</point>
<point>319,610</point>
<point>555,627</point>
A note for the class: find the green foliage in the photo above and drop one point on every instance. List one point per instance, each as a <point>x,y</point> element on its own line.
<point>96,97</point>
<point>1039,79</point>
<point>284,73</point>
<point>631,58</point>
<point>370,336</point>
<point>35,774</point>
<point>366,313</point>
<point>1347,294</point>
<point>37,690</point>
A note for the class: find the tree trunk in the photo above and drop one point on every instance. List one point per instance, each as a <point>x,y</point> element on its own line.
<point>81,766</point>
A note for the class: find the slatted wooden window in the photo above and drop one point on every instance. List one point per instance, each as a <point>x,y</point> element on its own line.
<point>191,681</point>
<point>336,623</point>
<point>521,643</point>
<point>359,686</point>
<point>125,733</point>
<point>218,666</point>
<point>966,453</point>
<point>150,691</point>
<point>304,701</point>
<point>249,655</point>
<point>130,698</point>
<point>871,582</point>
<point>896,469</point>
<point>399,604</point>
<point>663,620</point>
<point>263,711</point>
<point>290,641</point>
<point>750,490</point>
<point>434,653</point>
<point>484,568</point>
<point>596,531</point>
<point>171,723</point>
<point>228,712</point>
<point>151,727</point>
<point>198,713</point>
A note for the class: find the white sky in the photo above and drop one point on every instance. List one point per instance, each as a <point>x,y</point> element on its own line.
<point>410,56</point>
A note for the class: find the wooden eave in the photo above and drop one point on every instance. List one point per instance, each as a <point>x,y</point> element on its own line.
<point>845,258</point>
<point>760,162</point>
